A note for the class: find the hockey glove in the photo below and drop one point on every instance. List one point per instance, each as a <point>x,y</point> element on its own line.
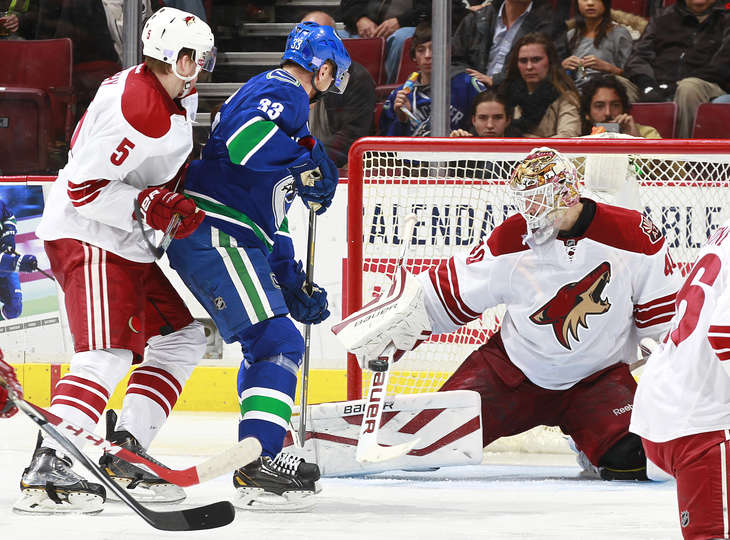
<point>158,205</point>
<point>8,379</point>
<point>14,262</point>
<point>316,179</point>
<point>7,240</point>
<point>307,308</point>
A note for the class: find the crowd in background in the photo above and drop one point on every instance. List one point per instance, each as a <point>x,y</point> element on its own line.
<point>519,68</point>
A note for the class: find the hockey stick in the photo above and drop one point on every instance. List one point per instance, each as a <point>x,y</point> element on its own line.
<point>231,459</point>
<point>157,251</point>
<point>49,276</point>
<point>368,449</point>
<point>192,519</point>
<point>311,235</point>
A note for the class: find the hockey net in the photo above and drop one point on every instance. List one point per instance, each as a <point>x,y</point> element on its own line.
<point>458,189</point>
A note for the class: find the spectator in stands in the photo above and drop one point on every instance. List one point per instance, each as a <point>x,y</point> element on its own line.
<point>604,100</point>
<point>596,43</point>
<point>484,39</point>
<point>545,100</point>
<point>94,55</point>
<point>683,54</point>
<point>407,112</point>
<point>490,116</point>
<point>17,19</point>
<point>336,120</point>
<point>394,20</point>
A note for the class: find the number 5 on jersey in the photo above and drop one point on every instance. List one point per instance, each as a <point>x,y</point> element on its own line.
<point>122,152</point>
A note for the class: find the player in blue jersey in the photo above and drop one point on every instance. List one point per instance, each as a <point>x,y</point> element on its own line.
<point>240,262</point>
<point>407,111</point>
<point>11,296</point>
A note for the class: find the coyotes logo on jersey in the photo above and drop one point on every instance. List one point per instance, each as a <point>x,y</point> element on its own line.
<point>572,304</point>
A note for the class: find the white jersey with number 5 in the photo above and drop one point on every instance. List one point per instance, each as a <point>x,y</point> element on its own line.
<point>685,386</point>
<point>132,136</point>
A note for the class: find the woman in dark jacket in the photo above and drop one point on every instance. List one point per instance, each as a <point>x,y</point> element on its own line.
<point>545,100</point>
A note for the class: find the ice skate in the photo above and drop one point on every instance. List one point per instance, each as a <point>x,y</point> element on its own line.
<point>284,484</point>
<point>49,486</point>
<point>144,486</point>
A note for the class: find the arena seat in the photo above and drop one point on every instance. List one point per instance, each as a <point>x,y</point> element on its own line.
<point>25,114</point>
<point>405,68</point>
<point>376,116</point>
<point>407,65</point>
<point>370,53</point>
<point>662,116</point>
<point>712,121</point>
<point>46,65</point>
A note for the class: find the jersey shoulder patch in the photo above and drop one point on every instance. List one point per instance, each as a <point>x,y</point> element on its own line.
<point>146,105</point>
<point>625,229</point>
<point>283,76</point>
<point>507,237</point>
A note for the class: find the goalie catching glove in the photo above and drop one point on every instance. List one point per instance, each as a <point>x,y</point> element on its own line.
<point>159,205</point>
<point>316,179</point>
<point>397,319</point>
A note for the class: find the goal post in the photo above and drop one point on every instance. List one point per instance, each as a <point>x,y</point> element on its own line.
<point>458,189</point>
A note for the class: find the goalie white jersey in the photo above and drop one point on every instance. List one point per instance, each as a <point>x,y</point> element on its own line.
<point>685,386</point>
<point>573,306</point>
<point>132,136</point>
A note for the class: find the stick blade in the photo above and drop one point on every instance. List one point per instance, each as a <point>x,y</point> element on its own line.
<point>380,453</point>
<point>197,519</point>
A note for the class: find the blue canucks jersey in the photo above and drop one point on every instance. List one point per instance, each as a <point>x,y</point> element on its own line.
<point>243,182</point>
<point>464,89</point>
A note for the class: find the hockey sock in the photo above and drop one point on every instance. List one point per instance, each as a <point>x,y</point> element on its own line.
<point>266,396</point>
<point>81,396</point>
<point>151,394</point>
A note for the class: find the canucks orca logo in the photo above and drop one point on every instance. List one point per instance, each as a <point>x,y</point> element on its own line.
<point>571,305</point>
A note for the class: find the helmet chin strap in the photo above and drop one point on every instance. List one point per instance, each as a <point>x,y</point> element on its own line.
<point>186,79</point>
<point>318,94</point>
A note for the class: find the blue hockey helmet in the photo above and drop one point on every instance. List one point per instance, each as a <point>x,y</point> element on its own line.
<point>310,45</point>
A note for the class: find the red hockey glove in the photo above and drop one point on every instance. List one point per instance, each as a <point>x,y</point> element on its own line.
<point>158,205</point>
<point>8,379</point>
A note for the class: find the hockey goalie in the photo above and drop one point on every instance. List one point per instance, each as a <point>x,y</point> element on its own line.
<point>582,282</point>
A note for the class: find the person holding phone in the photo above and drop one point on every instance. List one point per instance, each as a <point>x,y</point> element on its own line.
<point>605,105</point>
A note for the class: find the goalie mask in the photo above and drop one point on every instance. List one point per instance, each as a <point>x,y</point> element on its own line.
<point>170,30</point>
<point>543,186</point>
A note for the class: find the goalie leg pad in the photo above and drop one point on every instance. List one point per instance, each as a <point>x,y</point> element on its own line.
<point>447,424</point>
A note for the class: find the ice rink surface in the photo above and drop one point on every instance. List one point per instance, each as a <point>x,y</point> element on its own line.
<point>510,496</point>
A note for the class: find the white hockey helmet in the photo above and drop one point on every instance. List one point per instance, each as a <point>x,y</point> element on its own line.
<point>170,30</point>
<point>543,185</point>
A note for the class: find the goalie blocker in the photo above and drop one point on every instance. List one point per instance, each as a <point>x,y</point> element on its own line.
<point>448,425</point>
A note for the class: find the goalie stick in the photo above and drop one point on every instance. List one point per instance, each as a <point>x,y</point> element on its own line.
<point>368,449</point>
<point>157,251</point>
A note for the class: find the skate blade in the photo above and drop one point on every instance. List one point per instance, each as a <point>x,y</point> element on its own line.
<point>36,501</point>
<point>149,493</point>
<point>258,500</point>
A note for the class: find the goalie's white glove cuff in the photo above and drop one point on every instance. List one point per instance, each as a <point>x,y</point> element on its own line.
<point>397,318</point>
